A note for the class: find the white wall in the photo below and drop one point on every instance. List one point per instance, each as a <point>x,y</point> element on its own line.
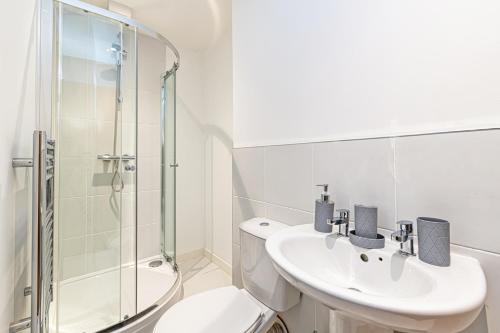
<point>204,150</point>
<point>17,85</point>
<point>325,70</point>
<point>204,141</point>
<point>191,203</point>
<point>218,102</point>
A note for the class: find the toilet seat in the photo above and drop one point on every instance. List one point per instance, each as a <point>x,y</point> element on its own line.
<point>226,309</point>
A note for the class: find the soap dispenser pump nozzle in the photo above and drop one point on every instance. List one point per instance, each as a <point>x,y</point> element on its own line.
<point>324,195</point>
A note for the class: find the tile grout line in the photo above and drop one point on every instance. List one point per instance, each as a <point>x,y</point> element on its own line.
<point>266,208</point>
<point>273,204</point>
<point>395,178</point>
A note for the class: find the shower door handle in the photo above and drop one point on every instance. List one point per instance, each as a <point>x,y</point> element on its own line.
<point>175,165</point>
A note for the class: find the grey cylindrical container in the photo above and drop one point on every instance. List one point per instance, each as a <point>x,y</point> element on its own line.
<point>365,221</point>
<point>322,213</point>
<point>433,241</point>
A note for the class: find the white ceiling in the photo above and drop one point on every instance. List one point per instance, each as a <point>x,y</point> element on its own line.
<point>192,24</point>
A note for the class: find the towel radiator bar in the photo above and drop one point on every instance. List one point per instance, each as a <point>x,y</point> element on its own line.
<point>42,255</point>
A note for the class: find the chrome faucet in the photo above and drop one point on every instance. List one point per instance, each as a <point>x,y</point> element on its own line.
<point>343,219</point>
<point>404,236</point>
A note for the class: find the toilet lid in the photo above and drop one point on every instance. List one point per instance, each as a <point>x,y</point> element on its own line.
<point>219,310</point>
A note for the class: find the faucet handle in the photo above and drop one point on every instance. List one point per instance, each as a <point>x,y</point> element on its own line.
<point>343,219</point>
<point>344,213</point>
<point>406,227</point>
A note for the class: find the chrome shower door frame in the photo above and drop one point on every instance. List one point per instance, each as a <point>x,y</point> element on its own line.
<point>168,163</point>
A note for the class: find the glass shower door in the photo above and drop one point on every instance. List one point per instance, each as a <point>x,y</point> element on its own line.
<point>169,166</point>
<point>95,126</point>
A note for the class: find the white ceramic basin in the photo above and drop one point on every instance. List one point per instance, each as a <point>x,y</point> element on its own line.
<point>402,293</point>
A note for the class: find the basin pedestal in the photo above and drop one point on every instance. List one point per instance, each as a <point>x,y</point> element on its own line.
<point>341,323</point>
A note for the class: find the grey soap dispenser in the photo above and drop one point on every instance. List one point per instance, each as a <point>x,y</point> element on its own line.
<point>323,211</point>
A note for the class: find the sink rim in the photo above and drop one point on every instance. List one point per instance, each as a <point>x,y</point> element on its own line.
<point>438,302</point>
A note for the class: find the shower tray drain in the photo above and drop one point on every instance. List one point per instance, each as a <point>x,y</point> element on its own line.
<point>155,263</point>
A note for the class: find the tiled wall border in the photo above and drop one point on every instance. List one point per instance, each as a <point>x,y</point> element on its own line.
<point>418,175</point>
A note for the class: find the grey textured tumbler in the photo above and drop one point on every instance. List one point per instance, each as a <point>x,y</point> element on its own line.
<point>365,221</point>
<point>433,241</point>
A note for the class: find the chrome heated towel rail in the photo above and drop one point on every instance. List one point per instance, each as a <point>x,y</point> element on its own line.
<point>42,255</point>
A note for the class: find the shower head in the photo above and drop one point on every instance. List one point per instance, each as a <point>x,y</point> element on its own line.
<point>115,47</point>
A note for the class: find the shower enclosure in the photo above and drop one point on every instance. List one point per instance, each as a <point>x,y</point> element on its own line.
<point>113,124</point>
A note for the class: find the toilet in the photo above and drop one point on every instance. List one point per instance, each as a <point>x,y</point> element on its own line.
<point>252,309</point>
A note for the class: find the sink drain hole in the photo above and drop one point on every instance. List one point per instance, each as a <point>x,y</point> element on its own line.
<point>364,257</point>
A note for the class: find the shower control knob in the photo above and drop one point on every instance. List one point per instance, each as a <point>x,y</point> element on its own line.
<point>130,167</point>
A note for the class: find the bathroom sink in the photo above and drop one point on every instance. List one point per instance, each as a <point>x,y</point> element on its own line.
<point>379,286</point>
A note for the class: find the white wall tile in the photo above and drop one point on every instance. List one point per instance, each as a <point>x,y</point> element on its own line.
<point>73,266</point>
<point>149,140</point>
<point>149,107</point>
<point>103,251</point>
<point>151,55</point>
<point>129,139</point>
<point>358,172</point>
<point>288,176</point>
<point>149,174</point>
<point>128,238</point>
<point>73,141</point>
<point>148,207</point>
<point>244,209</point>
<point>248,173</point>
<point>74,102</point>
<point>73,214</point>
<point>148,237</point>
<point>101,137</point>
<point>99,177</point>
<point>307,316</point>
<point>105,106</point>
<point>103,213</point>
<point>128,207</point>
<point>71,247</point>
<point>72,177</point>
<point>288,215</point>
<point>454,177</point>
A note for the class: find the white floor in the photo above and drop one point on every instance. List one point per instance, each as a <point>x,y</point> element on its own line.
<point>200,274</point>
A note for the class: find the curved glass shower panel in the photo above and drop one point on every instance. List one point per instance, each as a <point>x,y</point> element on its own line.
<point>169,165</point>
<point>128,103</point>
<point>114,121</point>
<point>152,64</point>
<point>95,129</point>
